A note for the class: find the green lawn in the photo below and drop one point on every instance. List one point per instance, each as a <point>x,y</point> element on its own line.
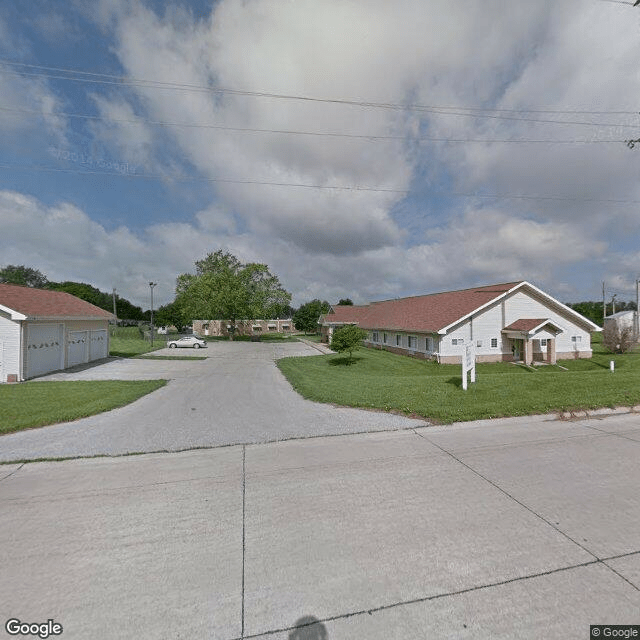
<point>35,404</point>
<point>126,342</point>
<point>382,380</point>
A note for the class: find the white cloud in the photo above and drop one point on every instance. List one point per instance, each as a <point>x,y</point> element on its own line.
<point>333,243</point>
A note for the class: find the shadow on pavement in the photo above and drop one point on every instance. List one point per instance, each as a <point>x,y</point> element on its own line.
<point>309,628</point>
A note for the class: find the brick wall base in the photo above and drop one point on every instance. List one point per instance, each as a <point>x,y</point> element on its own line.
<point>498,357</point>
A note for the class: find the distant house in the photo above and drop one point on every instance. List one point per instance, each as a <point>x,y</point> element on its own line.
<point>243,327</point>
<point>43,331</point>
<point>622,319</point>
<point>515,321</point>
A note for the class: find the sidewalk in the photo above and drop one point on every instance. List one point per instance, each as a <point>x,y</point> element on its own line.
<point>512,529</point>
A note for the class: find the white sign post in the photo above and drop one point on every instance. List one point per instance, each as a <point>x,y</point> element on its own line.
<point>468,365</point>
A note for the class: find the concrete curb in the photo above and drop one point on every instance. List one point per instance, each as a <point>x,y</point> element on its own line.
<point>597,413</point>
<point>318,346</point>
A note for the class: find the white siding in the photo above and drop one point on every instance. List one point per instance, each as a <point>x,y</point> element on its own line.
<point>10,355</point>
<point>488,325</point>
<point>522,305</point>
<point>461,332</point>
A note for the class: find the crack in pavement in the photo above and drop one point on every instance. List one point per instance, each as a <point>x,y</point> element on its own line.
<point>437,596</point>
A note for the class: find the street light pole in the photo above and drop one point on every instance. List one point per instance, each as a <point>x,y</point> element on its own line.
<point>151,285</point>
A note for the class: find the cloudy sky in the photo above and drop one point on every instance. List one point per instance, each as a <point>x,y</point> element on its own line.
<point>361,148</point>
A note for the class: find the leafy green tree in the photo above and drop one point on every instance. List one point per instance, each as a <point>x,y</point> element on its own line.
<point>306,317</point>
<point>223,288</point>
<point>348,338</point>
<point>25,276</point>
<point>588,309</point>
<point>348,302</point>
<point>124,308</point>
<point>170,314</point>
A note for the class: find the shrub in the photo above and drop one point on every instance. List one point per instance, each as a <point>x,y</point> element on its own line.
<point>617,339</point>
<point>347,338</point>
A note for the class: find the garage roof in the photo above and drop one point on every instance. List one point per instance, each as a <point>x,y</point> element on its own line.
<point>26,303</point>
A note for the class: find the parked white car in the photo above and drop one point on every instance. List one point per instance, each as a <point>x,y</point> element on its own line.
<point>188,341</point>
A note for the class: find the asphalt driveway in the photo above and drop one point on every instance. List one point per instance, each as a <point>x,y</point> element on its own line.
<point>236,395</point>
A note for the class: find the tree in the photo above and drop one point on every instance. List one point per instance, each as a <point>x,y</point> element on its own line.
<point>617,339</point>
<point>25,276</point>
<point>347,302</point>
<point>89,293</point>
<point>348,338</point>
<point>223,288</point>
<point>170,314</point>
<point>306,317</point>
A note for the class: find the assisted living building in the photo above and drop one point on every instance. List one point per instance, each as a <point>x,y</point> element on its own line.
<point>515,321</point>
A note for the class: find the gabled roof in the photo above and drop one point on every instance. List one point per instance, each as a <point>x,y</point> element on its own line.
<point>531,325</point>
<point>436,312</point>
<point>526,324</point>
<point>25,303</point>
<point>344,314</point>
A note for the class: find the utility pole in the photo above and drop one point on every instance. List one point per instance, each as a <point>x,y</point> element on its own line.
<point>115,315</point>
<point>151,285</point>
<point>604,304</point>
<point>613,304</point>
<point>636,325</point>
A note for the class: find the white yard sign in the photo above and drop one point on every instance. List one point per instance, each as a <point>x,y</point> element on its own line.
<point>468,365</point>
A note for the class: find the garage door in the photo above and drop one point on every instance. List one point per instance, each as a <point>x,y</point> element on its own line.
<point>77,348</point>
<point>98,345</point>
<point>44,349</point>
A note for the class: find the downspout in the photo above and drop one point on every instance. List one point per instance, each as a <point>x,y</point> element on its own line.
<point>22,350</point>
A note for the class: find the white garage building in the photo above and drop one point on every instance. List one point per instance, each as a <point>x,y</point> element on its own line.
<point>43,331</point>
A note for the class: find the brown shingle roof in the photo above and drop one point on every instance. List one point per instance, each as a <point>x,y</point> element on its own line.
<point>428,313</point>
<point>345,313</point>
<point>525,324</point>
<point>42,303</point>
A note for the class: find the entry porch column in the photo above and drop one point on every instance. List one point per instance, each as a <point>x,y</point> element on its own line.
<point>551,350</point>
<point>527,356</point>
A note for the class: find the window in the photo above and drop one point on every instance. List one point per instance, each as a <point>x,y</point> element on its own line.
<point>285,327</point>
<point>257,327</point>
<point>543,342</point>
<point>375,337</point>
<point>429,343</point>
<point>478,343</point>
<point>384,338</point>
<point>456,341</point>
<point>413,342</point>
<point>494,343</point>
<point>576,338</point>
<point>398,340</point>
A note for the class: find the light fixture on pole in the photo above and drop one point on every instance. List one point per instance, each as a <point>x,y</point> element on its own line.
<point>151,285</point>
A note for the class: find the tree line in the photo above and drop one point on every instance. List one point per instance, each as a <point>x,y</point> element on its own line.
<point>594,311</point>
<point>28,277</point>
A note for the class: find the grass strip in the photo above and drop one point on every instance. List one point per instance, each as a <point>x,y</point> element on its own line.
<point>382,380</point>
<point>36,404</point>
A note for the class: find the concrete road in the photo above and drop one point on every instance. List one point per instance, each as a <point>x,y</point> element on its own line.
<point>516,528</point>
<point>236,395</point>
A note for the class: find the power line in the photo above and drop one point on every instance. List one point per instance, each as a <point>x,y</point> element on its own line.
<point>471,112</point>
<point>204,125</point>
<point>354,188</point>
